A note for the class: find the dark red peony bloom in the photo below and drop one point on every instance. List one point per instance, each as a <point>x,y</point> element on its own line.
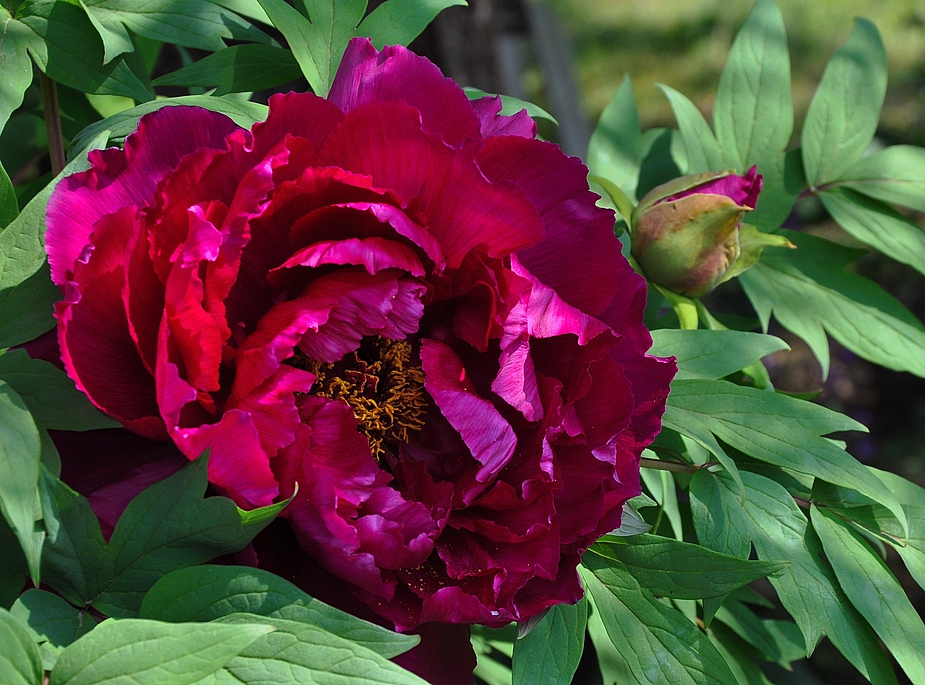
<point>396,298</point>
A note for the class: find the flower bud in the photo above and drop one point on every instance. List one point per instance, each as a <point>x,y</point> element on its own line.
<point>686,232</point>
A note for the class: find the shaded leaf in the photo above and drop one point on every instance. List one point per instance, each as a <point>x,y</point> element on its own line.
<point>843,115</point>
<point>715,512</point>
<point>27,308</point>
<point>51,618</point>
<point>237,69</point>
<point>49,394</point>
<point>12,566</point>
<point>9,207</point>
<point>205,593</point>
<point>550,652</point>
<point>135,650</point>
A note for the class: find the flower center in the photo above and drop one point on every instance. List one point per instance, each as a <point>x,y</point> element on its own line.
<point>378,382</point>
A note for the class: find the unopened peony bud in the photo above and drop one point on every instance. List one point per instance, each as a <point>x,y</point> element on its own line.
<point>686,232</point>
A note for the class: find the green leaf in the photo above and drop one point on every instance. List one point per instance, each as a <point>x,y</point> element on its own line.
<point>843,115</point>
<point>878,225</point>
<point>304,653</point>
<point>237,69</point>
<point>205,593</point>
<point>192,23</point>
<point>120,125</point>
<point>783,183</point>
<point>27,308</point>
<point>139,651</point>
<point>713,354</point>
<point>808,588</point>
<point>167,527</point>
<point>51,618</point>
<point>73,553</point>
<point>614,669</point>
<point>12,566</point>
<point>19,474</point>
<point>679,570</point>
<point>662,487</point>
<point>9,207</point>
<point>874,591</point>
<point>618,146</point>
<point>810,294</point>
<point>20,662</point>
<point>777,429</point>
<point>22,243</point>
<point>398,22</point>
<point>318,42</point>
<point>895,174</point>
<point>703,151</point>
<point>753,114</point>
<point>50,395</point>
<point>70,51</point>
<point>777,644</point>
<point>511,105</point>
<point>658,643</point>
<point>550,652</point>
<point>714,509</point>
<point>15,65</point>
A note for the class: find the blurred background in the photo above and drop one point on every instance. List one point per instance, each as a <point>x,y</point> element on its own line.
<point>569,56</point>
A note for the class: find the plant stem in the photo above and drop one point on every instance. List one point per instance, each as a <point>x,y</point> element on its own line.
<point>52,114</point>
<point>659,465</point>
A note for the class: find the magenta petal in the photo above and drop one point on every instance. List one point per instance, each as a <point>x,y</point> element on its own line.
<point>366,75</point>
<point>374,254</point>
<point>493,123</point>
<point>485,432</point>
<point>385,141</point>
<point>120,178</point>
<point>577,254</point>
<point>97,350</point>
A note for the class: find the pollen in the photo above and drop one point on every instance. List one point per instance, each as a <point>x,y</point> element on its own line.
<point>380,384</point>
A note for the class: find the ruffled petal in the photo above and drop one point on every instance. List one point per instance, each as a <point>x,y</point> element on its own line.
<point>493,123</point>
<point>366,75</point>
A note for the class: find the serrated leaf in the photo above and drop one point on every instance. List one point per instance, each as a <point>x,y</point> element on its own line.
<point>398,22</point>
<point>22,243</point>
<point>843,115</point>
<point>204,593</point>
<point>15,65</point>
<point>166,527</point>
<point>550,652</point>
<point>878,225</point>
<point>19,473</point>
<point>192,23</point>
<point>305,653</point>
<point>139,651</point>
<point>680,570</point>
<point>51,618</point>
<point>511,105</point>
<point>660,646</point>
<point>120,125</point>
<point>20,662</point>
<point>753,114</point>
<point>70,51</point>
<point>874,592</point>
<point>49,394</point>
<point>713,354</point>
<point>237,69</point>
<point>895,174</point>
<point>74,547</point>
<point>779,430</point>
<point>703,151</point>
<point>808,588</point>
<point>809,294</point>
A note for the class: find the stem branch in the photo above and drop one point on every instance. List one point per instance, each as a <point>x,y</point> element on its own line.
<point>52,114</point>
<point>659,465</point>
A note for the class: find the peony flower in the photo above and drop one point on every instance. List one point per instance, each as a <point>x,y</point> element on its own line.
<point>395,298</point>
<point>686,233</point>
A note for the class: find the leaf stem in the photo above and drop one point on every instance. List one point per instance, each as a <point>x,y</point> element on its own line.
<point>52,113</point>
<point>659,465</point>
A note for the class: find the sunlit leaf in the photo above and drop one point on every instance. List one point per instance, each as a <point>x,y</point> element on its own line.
<point>550,652</point>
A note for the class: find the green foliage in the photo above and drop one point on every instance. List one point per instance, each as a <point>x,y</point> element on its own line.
<point>550,652</point>
<point>21,663</point>
<point>237,69</point>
